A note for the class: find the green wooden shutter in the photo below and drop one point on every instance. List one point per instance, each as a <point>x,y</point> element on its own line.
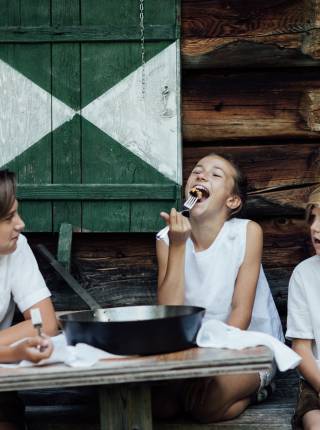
<point>87,146</point>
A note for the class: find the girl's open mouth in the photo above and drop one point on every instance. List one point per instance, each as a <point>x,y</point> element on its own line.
<point>201,192</point>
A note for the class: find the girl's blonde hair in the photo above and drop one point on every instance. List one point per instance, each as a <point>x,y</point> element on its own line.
<point>313,201</point>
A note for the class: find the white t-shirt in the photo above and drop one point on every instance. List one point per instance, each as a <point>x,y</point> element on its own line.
<point>21,282</point>
<point>210,278</point>
<point>304,303</point>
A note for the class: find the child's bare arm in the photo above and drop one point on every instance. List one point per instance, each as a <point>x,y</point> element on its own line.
<point>27,350</point>
<point>171,260</point>
<point>246,284</point>
<point>26,329</point>
<point>49,320</point>
<point>308,367</point>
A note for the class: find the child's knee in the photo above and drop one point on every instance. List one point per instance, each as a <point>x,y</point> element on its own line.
<point>205,400</point>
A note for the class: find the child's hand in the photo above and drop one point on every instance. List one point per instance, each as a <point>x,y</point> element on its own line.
<point>33,349</point>
<point>179,226</point>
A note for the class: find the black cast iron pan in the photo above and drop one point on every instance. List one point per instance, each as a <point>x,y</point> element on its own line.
<point>128,330</point>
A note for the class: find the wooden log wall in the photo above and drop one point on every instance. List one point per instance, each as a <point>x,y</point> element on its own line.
<point>250,87</point>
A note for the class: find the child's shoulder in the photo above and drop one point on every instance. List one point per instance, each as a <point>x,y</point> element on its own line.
<point>305,278</point>
<point>310,263</point>
<point>245,223</point>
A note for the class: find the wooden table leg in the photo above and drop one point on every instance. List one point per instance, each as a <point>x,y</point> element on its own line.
<point>125,407</point>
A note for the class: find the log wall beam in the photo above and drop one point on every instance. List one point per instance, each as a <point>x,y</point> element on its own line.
<point>310,109</point>
<point>234,105</point>
<point>280,32</point>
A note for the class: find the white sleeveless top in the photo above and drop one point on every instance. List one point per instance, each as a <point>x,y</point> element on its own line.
<point>210,278</point>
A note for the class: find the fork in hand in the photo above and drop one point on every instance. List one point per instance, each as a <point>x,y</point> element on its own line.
<point>187,206</point>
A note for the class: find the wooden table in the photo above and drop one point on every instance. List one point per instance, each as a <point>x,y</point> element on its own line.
<point>125,402</point>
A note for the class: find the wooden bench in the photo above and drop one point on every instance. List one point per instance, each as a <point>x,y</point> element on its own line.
<point>77,409</point>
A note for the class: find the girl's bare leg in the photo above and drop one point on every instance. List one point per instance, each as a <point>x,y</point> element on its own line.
<point>220,398</point>
<point>311,420</point>
<point>236,409</point>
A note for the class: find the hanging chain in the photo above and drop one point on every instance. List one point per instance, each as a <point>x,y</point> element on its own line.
<point>143,76</point>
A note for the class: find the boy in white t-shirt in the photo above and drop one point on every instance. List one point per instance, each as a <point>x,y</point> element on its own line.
<point>303,325</point>
<point>22,285</point>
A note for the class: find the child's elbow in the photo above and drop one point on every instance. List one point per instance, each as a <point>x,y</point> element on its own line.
<point>240,318</point>
<point>51,327</point>
<point>244,325</point>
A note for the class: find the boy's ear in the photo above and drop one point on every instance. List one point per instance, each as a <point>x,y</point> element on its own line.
<point>233,202</point>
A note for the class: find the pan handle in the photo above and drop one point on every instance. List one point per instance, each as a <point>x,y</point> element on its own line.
<point>70,280</point>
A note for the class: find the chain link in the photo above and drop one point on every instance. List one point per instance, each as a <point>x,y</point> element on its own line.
<point>143,76</point>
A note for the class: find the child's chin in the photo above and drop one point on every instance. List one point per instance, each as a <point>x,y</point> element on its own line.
<point>317,248</point>
<point>198,210</point>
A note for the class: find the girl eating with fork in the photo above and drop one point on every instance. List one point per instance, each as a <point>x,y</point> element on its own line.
<point>213,259</point>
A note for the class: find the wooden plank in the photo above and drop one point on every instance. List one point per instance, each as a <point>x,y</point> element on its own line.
<point>35,13</point>
<point>223,106</point>
<point>191,363</point>
<point>10,13</point>
<point>123,407</point>
<point>66,169</point>
<point>63,418</point>
<point>255,422</point>
<point>76,33</point>
<point>127,13</point>
<point>275,51</point>
<point>35,164</point>
<point>287,202</point>
<point>97,191</point>
<point>145,215</point>
<point>252,34</point>
<point>66,14</point>
<point>66,140</point>
<point>64,245</point>
<point>60,377</point>
<point>204,18</point>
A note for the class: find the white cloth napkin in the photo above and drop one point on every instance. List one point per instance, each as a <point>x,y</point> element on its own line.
<point>216,334</point>
<point>80,355</point>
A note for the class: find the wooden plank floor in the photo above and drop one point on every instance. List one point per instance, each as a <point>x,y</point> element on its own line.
<point>73,410</point>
